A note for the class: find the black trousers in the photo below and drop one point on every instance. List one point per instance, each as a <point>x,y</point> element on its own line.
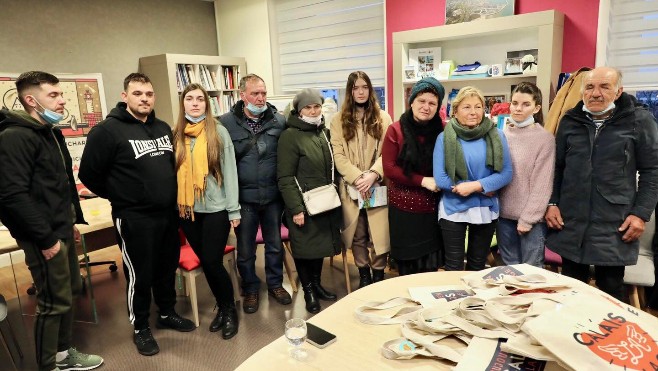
<point>150,249</point>
<point>479,244</point>
<point>609,279</point>
<point>426,263</point>
<point>207,236</point>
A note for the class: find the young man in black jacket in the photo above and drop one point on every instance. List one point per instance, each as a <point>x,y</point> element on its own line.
<point>39,205</point>
<point>129,160</point>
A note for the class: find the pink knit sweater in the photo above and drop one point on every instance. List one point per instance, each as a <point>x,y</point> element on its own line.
<point>533,159</point>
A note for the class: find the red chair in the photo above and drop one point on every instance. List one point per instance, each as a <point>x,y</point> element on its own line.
<point>552,259</point>
<point>189,266</point>
<point>288,261</point>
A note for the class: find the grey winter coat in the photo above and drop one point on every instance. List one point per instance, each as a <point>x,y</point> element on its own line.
<point>595,182</point>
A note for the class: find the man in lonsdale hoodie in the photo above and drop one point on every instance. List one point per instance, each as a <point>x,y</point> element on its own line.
<point>129,160</point>
<point>39,204</point>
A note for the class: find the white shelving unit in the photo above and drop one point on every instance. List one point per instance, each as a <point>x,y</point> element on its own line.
<point>486,41</point>
<point>165,71</point>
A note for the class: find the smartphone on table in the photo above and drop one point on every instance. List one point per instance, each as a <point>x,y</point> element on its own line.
<point>318,337</point>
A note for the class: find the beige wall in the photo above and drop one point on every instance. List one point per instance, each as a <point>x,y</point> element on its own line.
<point>243,27</point>
<point>106,36</point>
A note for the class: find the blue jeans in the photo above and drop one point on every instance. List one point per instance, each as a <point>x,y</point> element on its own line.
<point>516,249</point>
<point>269,218</point>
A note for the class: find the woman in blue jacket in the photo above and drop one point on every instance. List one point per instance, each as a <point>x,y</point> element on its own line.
<point>207,196</point>
<point>471,163</point>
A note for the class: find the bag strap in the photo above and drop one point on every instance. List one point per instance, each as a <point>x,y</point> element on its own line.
<point>374,154</point>
<point>331,153</point>
<point>400,316</point>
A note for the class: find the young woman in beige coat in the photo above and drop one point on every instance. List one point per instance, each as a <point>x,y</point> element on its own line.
<point>357,134</point>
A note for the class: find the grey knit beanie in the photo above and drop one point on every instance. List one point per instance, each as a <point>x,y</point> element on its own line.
<point>306,97</point>
<point>424,83</point>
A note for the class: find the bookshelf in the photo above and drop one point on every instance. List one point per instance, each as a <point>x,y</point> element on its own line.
<point>170,73</point>
<point>488,42</point>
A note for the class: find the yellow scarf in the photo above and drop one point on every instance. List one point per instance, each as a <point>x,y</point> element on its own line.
<point>194,169</point>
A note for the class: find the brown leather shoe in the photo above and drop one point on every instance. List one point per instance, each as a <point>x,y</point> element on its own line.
<point>280,295</point>
<point>250,302</point>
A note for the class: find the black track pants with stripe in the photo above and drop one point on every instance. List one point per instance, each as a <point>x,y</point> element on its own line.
<point>150,249</point>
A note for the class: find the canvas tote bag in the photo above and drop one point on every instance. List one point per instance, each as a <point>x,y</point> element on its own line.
<point>324,198</point>
<point>593,331</point>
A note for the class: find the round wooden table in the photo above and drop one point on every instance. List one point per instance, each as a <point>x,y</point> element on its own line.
<point>358,345</point>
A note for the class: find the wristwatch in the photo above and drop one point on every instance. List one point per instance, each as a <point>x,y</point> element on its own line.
<point>552,204</point>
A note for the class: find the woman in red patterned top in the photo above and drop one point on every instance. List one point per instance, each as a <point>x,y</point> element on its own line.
<point>416,243</point>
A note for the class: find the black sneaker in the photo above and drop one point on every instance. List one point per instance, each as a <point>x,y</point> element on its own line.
<point>146,344</point>
<point>175,322</point>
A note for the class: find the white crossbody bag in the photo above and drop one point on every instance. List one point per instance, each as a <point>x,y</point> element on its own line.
<point>324,198</point>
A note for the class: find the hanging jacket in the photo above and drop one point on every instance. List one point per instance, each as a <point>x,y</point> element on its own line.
<point>566,98</point>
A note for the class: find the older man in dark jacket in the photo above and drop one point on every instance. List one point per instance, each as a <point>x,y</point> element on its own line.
<point>596,212</point>
<point>255,127</point>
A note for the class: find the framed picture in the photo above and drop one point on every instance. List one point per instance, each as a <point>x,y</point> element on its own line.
<point>490,100</point>
<point>528,57</point>
<point>513,66</point>
<point>424,61</point>
<point>458,11</point>
<point>410,73</point>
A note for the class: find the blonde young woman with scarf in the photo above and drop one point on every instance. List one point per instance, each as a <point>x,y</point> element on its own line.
<point>471,163</point>
<point>207,196</point>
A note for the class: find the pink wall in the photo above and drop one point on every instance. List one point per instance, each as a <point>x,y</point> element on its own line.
<point>580,23</point>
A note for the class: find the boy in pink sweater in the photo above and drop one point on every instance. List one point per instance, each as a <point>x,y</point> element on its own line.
<point>521,229</point>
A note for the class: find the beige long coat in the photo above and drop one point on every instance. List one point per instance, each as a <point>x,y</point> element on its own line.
<point>346,156</point>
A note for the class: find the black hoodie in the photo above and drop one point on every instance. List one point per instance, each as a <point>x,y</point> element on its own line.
<point>37,187</point>
<point>131,163</point>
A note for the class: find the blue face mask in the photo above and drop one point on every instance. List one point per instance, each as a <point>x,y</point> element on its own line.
<point>195,120</point>
<point>50,117</point>
<point>255,110</point>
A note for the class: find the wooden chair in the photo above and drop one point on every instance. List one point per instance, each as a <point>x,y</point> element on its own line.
<point>346,271</point>
<point>189,266</point>
<point>642,274</point>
